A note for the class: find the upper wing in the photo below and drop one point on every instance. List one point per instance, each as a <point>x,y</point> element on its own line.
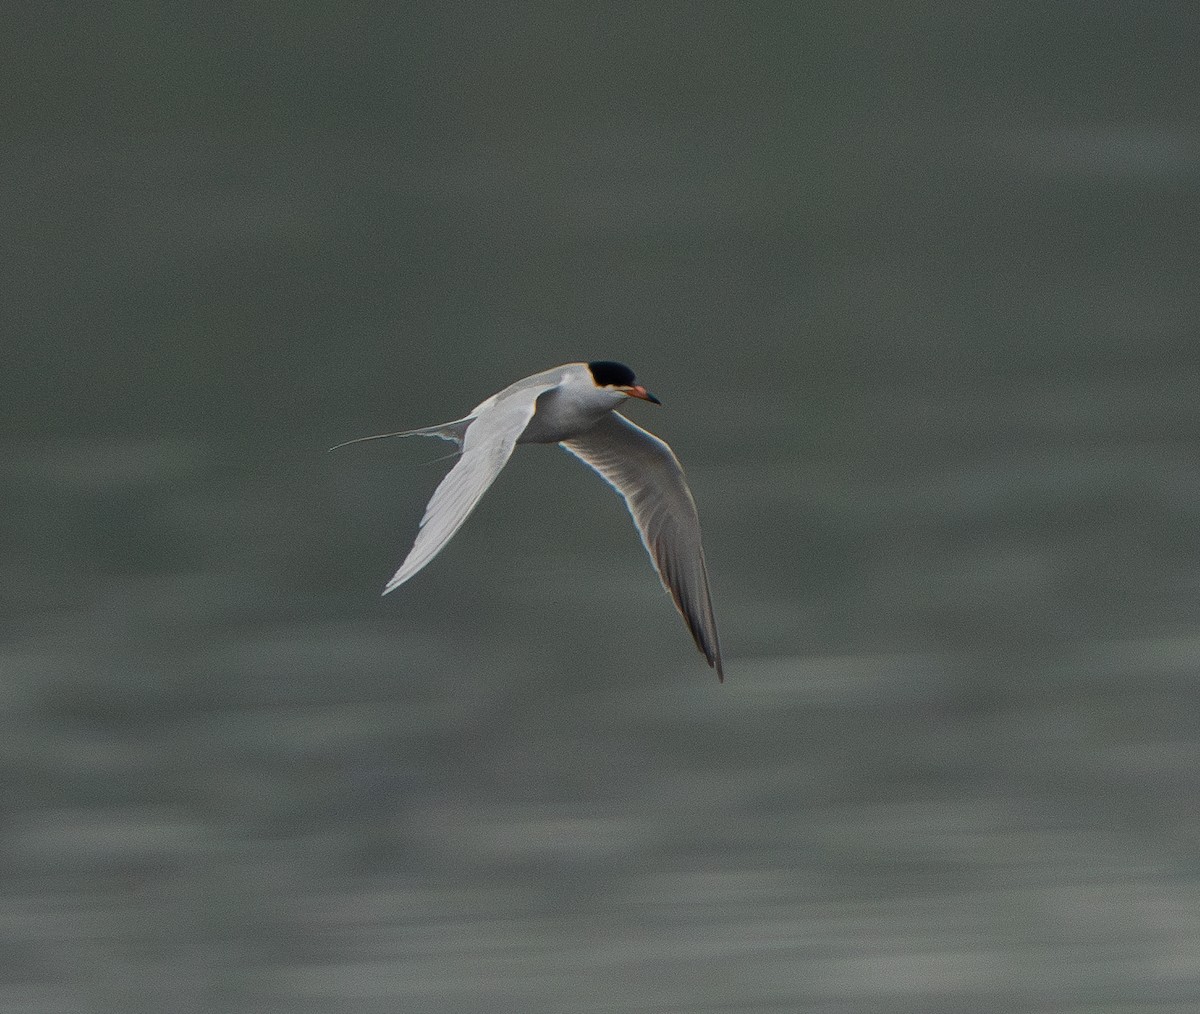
<point>645,471</point>
<point>487,445</point>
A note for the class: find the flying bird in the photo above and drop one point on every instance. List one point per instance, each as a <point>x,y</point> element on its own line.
<point>574,406</point>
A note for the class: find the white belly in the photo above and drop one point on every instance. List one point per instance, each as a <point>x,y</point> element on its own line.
<point>560,418</point>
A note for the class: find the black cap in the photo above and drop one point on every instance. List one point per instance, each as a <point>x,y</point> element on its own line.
<point>607,373</point>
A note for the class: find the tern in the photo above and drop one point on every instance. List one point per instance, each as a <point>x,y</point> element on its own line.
<point>574,406</point>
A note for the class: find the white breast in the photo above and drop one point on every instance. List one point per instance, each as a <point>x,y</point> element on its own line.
<point>568,410</point>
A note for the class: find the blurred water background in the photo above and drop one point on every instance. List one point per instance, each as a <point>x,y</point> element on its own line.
<point>917,286</point>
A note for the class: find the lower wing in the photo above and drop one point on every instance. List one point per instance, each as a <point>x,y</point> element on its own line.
<point>645,471</point>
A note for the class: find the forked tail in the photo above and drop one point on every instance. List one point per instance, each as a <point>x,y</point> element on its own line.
<point>452,431</point>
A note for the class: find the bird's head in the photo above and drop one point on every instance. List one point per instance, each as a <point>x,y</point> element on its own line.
<point>618,377</point>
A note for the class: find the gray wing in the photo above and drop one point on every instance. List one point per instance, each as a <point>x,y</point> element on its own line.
<point>487,444</point>
<point>645,471</point>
